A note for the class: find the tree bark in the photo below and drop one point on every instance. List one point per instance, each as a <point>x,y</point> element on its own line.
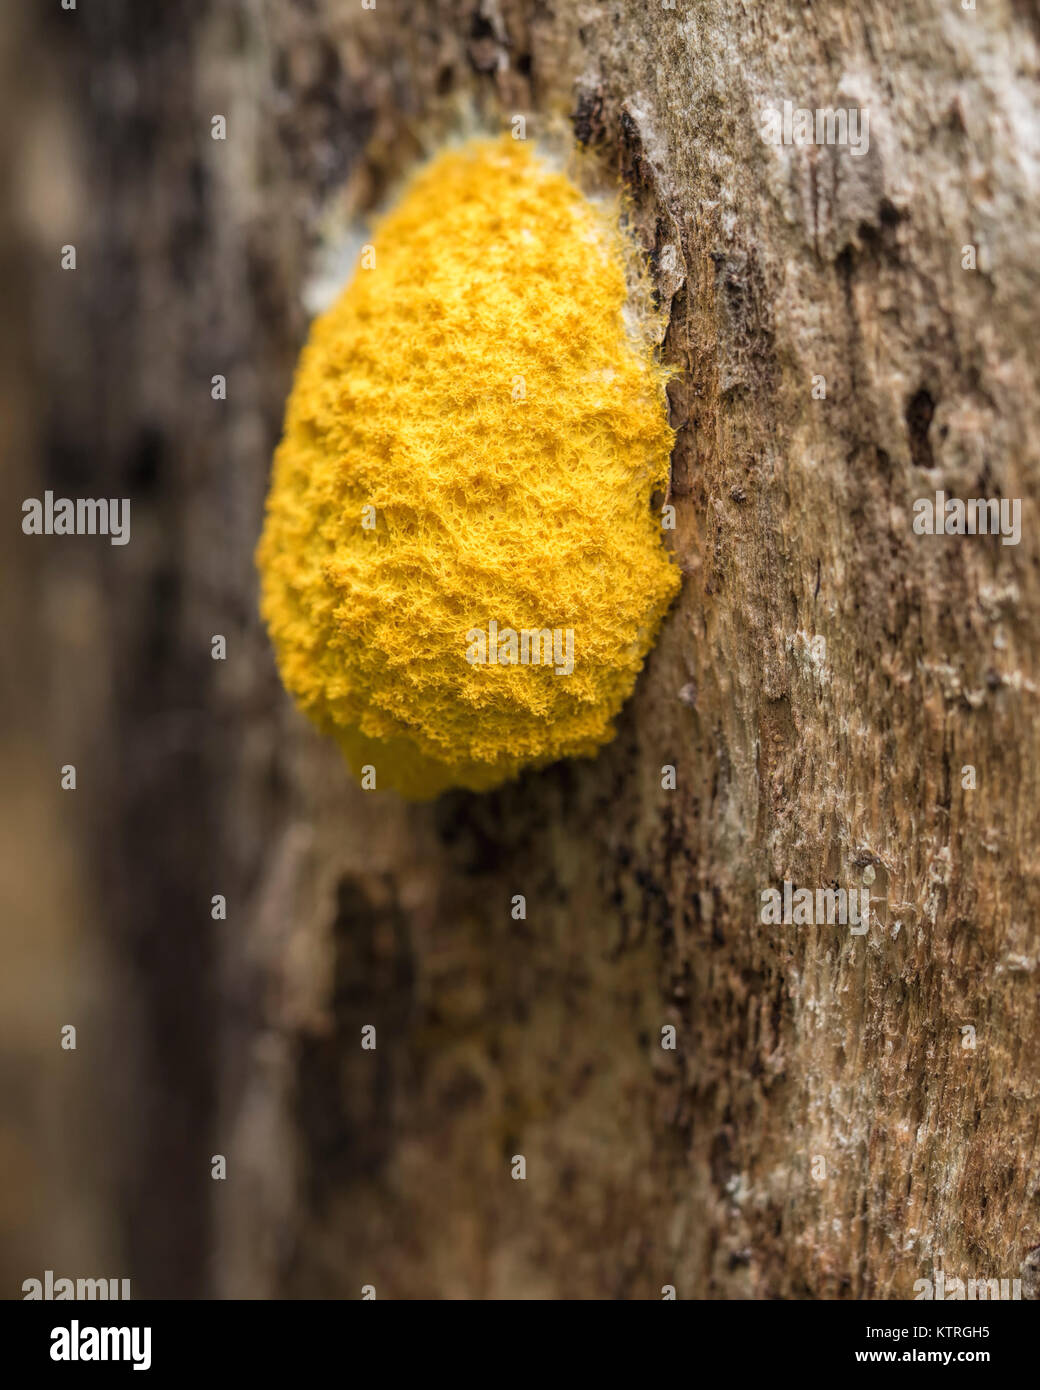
<point>821,686</point>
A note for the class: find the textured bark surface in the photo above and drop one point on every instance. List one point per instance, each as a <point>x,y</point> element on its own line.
<point>815,762</point>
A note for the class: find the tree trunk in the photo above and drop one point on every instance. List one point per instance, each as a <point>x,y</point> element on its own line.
<point>846,703</point>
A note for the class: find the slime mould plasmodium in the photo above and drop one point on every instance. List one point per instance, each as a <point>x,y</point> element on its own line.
<point>461,571</point>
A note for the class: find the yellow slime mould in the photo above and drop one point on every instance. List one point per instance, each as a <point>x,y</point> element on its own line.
<point>460,568</point>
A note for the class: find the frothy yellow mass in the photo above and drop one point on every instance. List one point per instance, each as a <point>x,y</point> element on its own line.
<point>476,387</point>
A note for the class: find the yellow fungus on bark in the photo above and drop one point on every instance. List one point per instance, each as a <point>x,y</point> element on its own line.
<point>469,452</point>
